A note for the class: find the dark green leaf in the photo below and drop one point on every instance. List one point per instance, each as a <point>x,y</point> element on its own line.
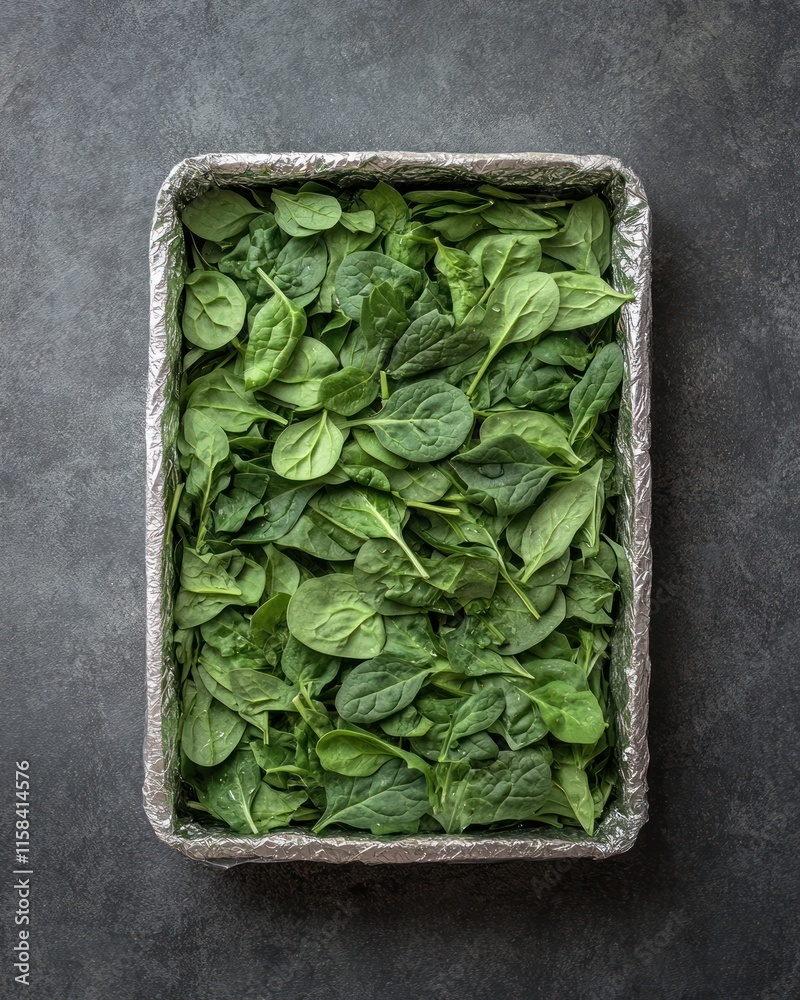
<point>308,449</point>
<point>570,715</point>
<point>277,328</point>
<point>593,394</point>
<point>218,214</point>
<point>211,731</point>
<point>360,754</point>
<point>584,299</point>
<point>433,341</point>
<point>423,422</point>
<point>509,215</point>
<point>361,272</point>
<point>554,524</point>
<point>328,614</point>
<point>378,688</point>
<point>348,391</point>
<point>392,800</point>
<point>585,240</point>
<point>507,470</point>
<point>214,310</point>
<point>228,790</point>
<point>306,213</point>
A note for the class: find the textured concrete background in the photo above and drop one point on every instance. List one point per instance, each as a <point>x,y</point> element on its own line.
<point>99,100</point>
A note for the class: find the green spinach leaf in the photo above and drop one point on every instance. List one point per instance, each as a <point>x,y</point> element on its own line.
<point>593,394</point>
<point>276,330</point>
<point>308,449</point>
<point>584,299</point>
<point>218,214</point>
<point>392,800</point>
<point>305,213</point>
<point>329,615</point>
<point>424,421</point>
<point>214,310</point>
<point>584,242</point>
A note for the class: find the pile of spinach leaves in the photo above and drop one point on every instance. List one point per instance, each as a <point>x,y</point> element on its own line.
<point>392,533</point>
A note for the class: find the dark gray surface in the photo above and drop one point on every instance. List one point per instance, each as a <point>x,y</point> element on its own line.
<point>100,100</point>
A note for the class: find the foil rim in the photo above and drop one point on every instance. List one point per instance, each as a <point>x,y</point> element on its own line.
<point>619,827</point>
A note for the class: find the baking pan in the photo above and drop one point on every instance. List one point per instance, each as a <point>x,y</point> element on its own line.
<point>556,174</point>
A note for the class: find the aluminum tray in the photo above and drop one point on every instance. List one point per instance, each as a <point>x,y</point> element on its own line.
<point>630,667</point>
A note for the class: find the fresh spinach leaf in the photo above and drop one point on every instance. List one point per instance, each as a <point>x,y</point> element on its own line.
<point>563,349</point>
<point>554,524</point>
<point>464,278</point>
<point>329,615</point>
<point>584,299</point>
<point>348,391</point>
<point>519,309</point>
<point>222,396</point>
<point>211,731</point>
<point>433,341</point>
<point>584,242</point>
<point>379,688</point>
<point>509,215</point>
<point>359,274</point>
<point>392,800</point>
<point>541,387</point>
<point>214,310</point>
<point>474,714</point>
<point>424,421</point>
<point>227,790</point>
<point>514,627</point>
<point>308,449</point>
<point>360,754</point>
<point>305,213</point>
<point>540,430</point>
<point>512,787</point>
<point>276,330</point>
<point>507,470</point>
<point>273,808</point>
<point>218,214</point>
<point>592,395</point>
<point>570,715</point>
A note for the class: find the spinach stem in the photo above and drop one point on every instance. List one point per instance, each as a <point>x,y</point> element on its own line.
<point>481,372</point>
<point>267,280</point>
<point>495,631</point>
<point>413,559</point>
<point>598,440</point>
<point>194,804</point>
<point>173,510</point>
<point>201,534</point>
<point>384,387</point>
<point>249,818</point>
<point>197,251</point>
<point>520,594</point>
<point>448,511</point>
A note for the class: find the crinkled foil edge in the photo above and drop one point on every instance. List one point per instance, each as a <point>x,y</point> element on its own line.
<point>630,666</point>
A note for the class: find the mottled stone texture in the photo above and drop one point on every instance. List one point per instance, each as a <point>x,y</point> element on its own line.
<point>100,99</point>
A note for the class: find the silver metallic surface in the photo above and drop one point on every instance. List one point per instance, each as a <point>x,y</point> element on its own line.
<point>630,665</point>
